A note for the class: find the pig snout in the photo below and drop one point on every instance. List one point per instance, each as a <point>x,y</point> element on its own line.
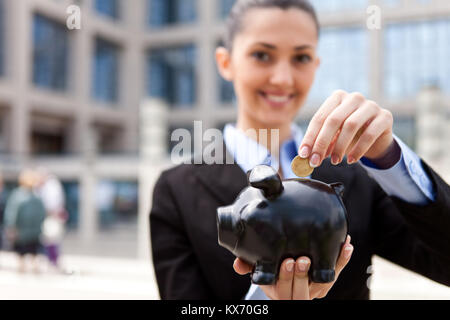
<point>229,227</point>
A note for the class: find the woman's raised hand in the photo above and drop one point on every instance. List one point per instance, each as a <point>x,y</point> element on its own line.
<point>293,282</point>
<point>347,124</point>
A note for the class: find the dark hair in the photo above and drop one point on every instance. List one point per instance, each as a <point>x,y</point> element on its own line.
<point>234,20</point>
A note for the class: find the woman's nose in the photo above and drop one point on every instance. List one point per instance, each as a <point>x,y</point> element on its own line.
<point>282,75</point>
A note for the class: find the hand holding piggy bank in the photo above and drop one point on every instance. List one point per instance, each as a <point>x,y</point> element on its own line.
<point>272,220</point>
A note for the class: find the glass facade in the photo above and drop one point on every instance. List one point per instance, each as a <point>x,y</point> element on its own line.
<point>117,202</point>
<point>44,143</point>
<point>2,39</point>
<point>320,5</point>
<point>391,3</point>
<point>225,7</point>
<point>339,5</point>
<point>344,64</point>
<point>50,53</point>
<point>106,71</point>
<point>166,12</point>
<point>108,8</point>
<point>72,194</point>
<point>405,129</point>
<point>394,3</point>
<point>416,55</point>
<point>171,75</point>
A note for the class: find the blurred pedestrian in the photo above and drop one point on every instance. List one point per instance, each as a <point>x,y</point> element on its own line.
<point>51,192</point>
<point>24,215</point>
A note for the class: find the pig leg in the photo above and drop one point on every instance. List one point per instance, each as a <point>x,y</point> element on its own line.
<point>321,271</point>
<point>324,257</point>
<point>265,273</point>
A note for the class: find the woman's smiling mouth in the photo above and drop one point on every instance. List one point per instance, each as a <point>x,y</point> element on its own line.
<point>276,100</point>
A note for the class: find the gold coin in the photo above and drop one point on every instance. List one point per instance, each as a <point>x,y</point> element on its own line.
<point>301,167</point>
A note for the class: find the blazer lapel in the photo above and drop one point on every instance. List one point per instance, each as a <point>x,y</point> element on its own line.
<point>224,181</point>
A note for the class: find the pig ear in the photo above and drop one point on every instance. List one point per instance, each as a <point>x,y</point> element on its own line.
<point>267,179</point>
<point>338,188</point>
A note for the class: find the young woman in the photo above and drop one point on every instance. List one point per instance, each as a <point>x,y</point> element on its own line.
<point>398,207</point>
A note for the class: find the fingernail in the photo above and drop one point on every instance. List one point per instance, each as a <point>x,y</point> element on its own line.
<point>314,161</point>
<point>304,152</point>
<point>350,160</point>
<point>302,265</point>
<point>290,265</point>
<point>334,159</point>
<point>348,251</point>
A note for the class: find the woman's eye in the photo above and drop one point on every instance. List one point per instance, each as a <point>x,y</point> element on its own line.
<point>303,58</point>
<point>261,56</point>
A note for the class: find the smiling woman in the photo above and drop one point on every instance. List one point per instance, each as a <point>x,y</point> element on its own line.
<point>272,68</point>
<point>401,212</point>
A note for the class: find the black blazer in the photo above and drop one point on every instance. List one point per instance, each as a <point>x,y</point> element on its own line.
<point>189,263</point>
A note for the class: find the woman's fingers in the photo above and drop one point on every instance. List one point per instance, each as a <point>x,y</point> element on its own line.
<point>300,288</point>
<point>241,267</point>
<point>380,130</point>
<point>350,129</point>
<point>284,283</point>
<point>317,122</point>
<point>331,125</point>
<point>282,290</point>
<point>347,124</point>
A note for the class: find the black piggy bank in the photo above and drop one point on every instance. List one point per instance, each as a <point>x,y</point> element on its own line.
<point>272,220</point>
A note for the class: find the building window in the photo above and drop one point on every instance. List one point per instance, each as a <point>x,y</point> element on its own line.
<point>405,129</point>
<point>44,143</point>
<point>3,134</point>
<point>416,55</point>
<point>117,203</point>
<point>339,5</point>
<point>171,75</point>
<point>106,71</point>
<point>344,62</point>
<point>166,12</point>
<point>72,197</point>
<point>109,139</point>
<point>50,53</point>
<point>391,3</point>
<point>2,39</point>
<point>225,7</point>
<point>108,8</point>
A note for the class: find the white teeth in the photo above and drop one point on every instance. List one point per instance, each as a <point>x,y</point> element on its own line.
<point>278,99</point>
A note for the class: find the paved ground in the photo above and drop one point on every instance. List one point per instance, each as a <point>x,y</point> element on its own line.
<point>86,278</point>
<point>121,278</point>
<point>393,282</point>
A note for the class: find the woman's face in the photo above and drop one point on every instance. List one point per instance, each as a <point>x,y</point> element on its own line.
<point>272,64</point>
